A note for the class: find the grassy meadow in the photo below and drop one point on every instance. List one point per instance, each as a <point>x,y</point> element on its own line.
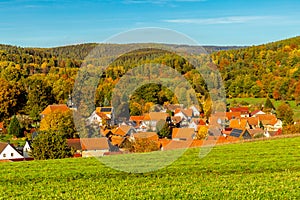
<point>268,169</point>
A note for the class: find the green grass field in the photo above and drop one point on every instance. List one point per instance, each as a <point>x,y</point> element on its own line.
<point>255,101</point>
<point>256,170</point>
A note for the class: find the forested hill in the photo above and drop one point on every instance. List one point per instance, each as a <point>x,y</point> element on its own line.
<point>271,69</point>
<point>80,51</point>
<point>32,78</point>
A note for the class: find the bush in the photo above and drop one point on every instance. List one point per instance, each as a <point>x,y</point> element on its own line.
<point>50,145</point>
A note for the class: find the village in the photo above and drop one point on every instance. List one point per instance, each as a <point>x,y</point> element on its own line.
<point>185,128</point>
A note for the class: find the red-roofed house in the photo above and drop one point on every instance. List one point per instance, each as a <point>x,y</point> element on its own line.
<point>233,115</point>
<point>243,110</point>
<point>257,112</point>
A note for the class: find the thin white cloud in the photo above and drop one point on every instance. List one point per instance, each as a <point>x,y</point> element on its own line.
<point>219,20</point>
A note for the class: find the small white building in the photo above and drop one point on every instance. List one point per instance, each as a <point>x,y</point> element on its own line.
<point>8,152</point>
<point>26,150</point>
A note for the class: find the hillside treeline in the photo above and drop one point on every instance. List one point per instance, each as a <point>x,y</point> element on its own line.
<point>269,70</point>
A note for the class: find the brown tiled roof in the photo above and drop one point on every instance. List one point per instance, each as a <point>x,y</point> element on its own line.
<point>105,132</point>
<point>231,115</point>
<point>75,143</point>
<point>102,115</point>
<point>122,130</point>
<point>2,146</point>
<point>136,118</point>
<point>156,116</point>
<point>267,119</point>
<point>183,133</point>
<point>149,135</point>
<point>52,108</point>
<point>256,131</point>
<point>253,121</point>
<point>238,123</point>
<point>176,119</point>
<point>187,112</point>
<point>94,143</point>
<point>116,140</point>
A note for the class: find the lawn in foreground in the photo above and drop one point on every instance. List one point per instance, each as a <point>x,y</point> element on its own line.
<point>264,169</point>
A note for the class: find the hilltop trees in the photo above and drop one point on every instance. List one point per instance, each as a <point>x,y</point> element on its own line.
<point>272,70</point>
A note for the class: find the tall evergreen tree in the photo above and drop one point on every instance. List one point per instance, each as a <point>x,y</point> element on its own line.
<point>269,105</point>
<point>14,127</point>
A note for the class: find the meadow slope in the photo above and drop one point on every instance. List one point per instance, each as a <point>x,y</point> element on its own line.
<point>257,170</point>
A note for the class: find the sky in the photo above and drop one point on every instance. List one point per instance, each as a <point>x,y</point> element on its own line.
<point>49,23</point>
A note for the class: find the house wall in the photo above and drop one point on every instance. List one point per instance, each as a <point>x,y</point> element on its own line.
<point>94,153</point>
<point>10,153</point>
<point>26,150</point>
<point>94,118</point>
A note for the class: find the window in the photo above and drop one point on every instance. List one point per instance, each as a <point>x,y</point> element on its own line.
<point>4,155</point>
<point>12,154</point>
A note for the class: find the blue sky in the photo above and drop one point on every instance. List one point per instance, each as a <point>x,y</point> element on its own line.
<point>48,23</point>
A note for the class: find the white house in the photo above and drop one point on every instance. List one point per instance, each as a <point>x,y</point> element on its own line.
<point>8,152</point>
<point>196,112</point>
<point>100,115</point>
<point>26,150</point>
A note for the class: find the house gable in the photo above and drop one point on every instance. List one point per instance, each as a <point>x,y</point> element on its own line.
<point>8,152</point>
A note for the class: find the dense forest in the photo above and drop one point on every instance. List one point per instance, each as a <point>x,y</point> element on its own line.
<point>269,70</point>
<point>32,78</point>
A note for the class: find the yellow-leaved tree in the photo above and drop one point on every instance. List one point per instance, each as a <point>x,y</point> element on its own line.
<point>59,121</point>
<point>202,132</point>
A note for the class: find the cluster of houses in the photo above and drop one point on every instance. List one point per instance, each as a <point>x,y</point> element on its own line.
<point>236,124</point>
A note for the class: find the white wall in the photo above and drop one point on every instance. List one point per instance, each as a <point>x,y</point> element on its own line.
<point>8,151</point>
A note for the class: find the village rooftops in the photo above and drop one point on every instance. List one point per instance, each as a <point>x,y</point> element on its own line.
<point>242,110</point>
<point>136,118</point>
<point>156,116</point>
